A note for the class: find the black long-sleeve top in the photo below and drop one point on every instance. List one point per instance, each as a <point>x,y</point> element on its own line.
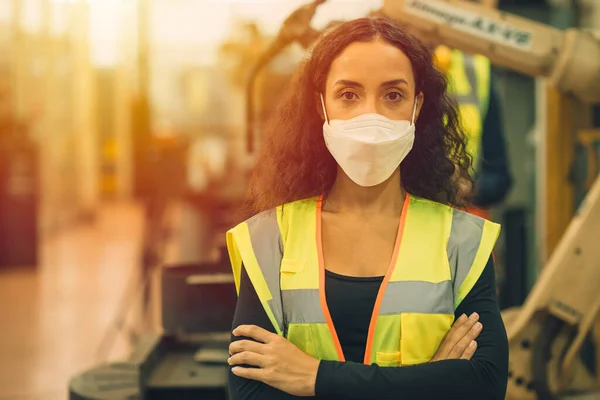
<point>351,302</point>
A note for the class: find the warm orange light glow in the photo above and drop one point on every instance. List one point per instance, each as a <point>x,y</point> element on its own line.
<point>89,1</point>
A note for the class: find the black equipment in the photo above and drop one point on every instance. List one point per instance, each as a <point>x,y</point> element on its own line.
<point>188,361</point>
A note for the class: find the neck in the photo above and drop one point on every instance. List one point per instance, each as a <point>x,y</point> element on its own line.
<point>345,195</point>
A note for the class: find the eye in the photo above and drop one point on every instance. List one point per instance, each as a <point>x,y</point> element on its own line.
<point>348,96</point>
<point>393,96</point>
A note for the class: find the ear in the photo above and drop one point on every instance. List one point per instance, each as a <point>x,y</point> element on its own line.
<point>419,99</point>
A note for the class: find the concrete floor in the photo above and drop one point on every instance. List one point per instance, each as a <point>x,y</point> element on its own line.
<point>54,318</point>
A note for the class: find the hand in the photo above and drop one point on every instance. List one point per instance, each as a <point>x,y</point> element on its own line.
<point>460,342</point>
<point>280,364</point>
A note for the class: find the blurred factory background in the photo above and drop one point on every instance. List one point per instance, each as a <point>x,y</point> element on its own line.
<point>124,156</point>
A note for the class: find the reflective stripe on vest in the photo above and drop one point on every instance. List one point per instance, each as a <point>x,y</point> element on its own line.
<point>439,255</point>
<point>257,244</point>
<point>469,82</point>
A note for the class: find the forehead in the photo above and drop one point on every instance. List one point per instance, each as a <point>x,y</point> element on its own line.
<point>372,62</point>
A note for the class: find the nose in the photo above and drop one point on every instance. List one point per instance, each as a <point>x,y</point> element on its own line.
<point>372,105</point>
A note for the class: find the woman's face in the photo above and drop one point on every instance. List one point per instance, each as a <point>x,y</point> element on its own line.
<point>373,77</point>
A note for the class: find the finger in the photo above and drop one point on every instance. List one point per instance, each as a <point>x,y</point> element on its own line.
<point>255,374</point>
<point>470,351</point>
<point>455,334</point>
<point>247,358</point>
<point>461,320</point>
<point>255,332</point>
<point>448,342</point>
<point>463,343</point>
<point>246,345</point>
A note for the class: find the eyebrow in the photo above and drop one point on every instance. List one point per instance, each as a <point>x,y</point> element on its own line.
<point>394,82</point>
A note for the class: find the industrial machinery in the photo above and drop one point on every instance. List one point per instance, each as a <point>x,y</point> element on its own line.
<point>296,28</point>
<point>189,359</point>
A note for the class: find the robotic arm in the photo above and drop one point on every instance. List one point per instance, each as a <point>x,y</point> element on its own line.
<point>569,59</point>
<point>295,28</point>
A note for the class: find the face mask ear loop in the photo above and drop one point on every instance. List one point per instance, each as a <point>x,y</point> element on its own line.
<point>414,112</point>
<point>324,111</point>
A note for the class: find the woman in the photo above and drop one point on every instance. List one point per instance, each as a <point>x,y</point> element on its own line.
<point>355,262</point>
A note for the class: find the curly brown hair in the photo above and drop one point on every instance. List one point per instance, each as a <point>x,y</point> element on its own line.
<point>293,162</point>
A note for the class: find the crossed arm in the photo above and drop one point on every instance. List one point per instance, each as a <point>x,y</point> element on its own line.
<point>483,376</point>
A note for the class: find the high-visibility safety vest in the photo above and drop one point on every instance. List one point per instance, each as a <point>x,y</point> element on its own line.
<point>439,254</point>
<point>469,81</point>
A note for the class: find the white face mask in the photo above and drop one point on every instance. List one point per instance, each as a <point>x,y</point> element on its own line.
<point>369,147</point>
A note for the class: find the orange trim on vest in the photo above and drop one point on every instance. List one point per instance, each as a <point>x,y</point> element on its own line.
<point>479,212</point>
<point>386,280</point>
<point>382,288</point>
<point>322,297</point>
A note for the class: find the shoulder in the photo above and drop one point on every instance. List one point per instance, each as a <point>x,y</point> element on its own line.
<point>302,204</point>
<point>297,206</point>
<point>463,224</point>
<point>429,203</point>
<point>470,230</point>
<point>421,206</point>
<point>477,58</point>
<point>465,230</point>
<point>274,220</point>
<point>261,224</point>
<point>464,220</point>
<point>481,59</point>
